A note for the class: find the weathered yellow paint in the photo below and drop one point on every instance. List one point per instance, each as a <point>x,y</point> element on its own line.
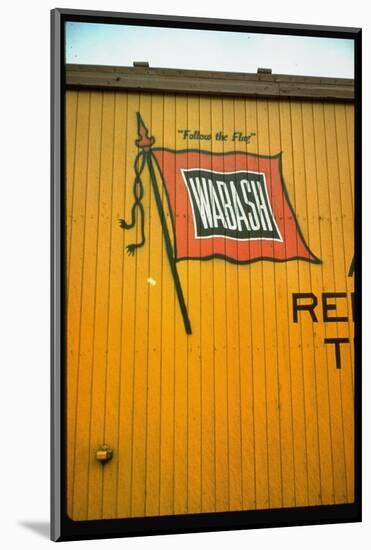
<point>250,411</point>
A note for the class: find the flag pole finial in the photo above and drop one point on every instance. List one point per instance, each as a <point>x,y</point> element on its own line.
<point>144,141</point>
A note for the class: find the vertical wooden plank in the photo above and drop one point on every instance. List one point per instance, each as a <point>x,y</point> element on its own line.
<point>71,130</point>
<point>339,284</point>
<point>245,121</point>
<point>102,277</point>
<point>346,188</point>
<point>122,174</point>
<point>181,363</point>
<point>328,284</point>
<point>293,285</point>
<point>207,353</point>
<point>85,453</point>
<point>282,335</point>
<point>169,352</point>
<point>259,359</point>
<point>76,508</point>
<point>220,353</point>
<point>112,341</point>
<point>115,310</point>
<point>319,382</point>
<point>129,312</point>
<point>349,115</point>
<point>328,455</point>
<point>345,160</point>
<point>232,330</point>
<point>142,257</point>
<point>157,259</point>
<point>305,197</point>
<point>270,343</point>
<point>194,351</point>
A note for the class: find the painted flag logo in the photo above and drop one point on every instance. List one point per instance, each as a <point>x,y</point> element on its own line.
<point>233,206</point>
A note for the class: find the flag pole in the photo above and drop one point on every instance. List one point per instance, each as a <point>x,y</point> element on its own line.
<point>145,143</point>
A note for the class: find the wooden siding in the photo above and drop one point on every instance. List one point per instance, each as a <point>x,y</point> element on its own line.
<point>208,82</point>
<point>250,411</point>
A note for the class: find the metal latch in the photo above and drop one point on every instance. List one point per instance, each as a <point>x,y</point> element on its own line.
<point>104,454</point>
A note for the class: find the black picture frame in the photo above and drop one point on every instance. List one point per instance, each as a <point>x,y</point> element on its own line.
<point>62,527</point>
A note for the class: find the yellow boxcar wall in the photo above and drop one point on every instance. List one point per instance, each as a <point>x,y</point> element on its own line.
<point>250,411</point>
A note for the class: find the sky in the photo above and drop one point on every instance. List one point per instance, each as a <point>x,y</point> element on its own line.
<point>121,45</point>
